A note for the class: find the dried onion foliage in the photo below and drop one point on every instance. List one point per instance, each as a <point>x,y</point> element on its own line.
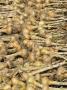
<point>33,44</point>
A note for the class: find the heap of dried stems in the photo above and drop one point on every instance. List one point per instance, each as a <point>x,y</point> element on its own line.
<point>33,44</point>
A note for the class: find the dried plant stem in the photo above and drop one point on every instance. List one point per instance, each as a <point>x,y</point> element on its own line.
<point>53,83</point>
<point>48,68</point>
<point>15,54</point>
